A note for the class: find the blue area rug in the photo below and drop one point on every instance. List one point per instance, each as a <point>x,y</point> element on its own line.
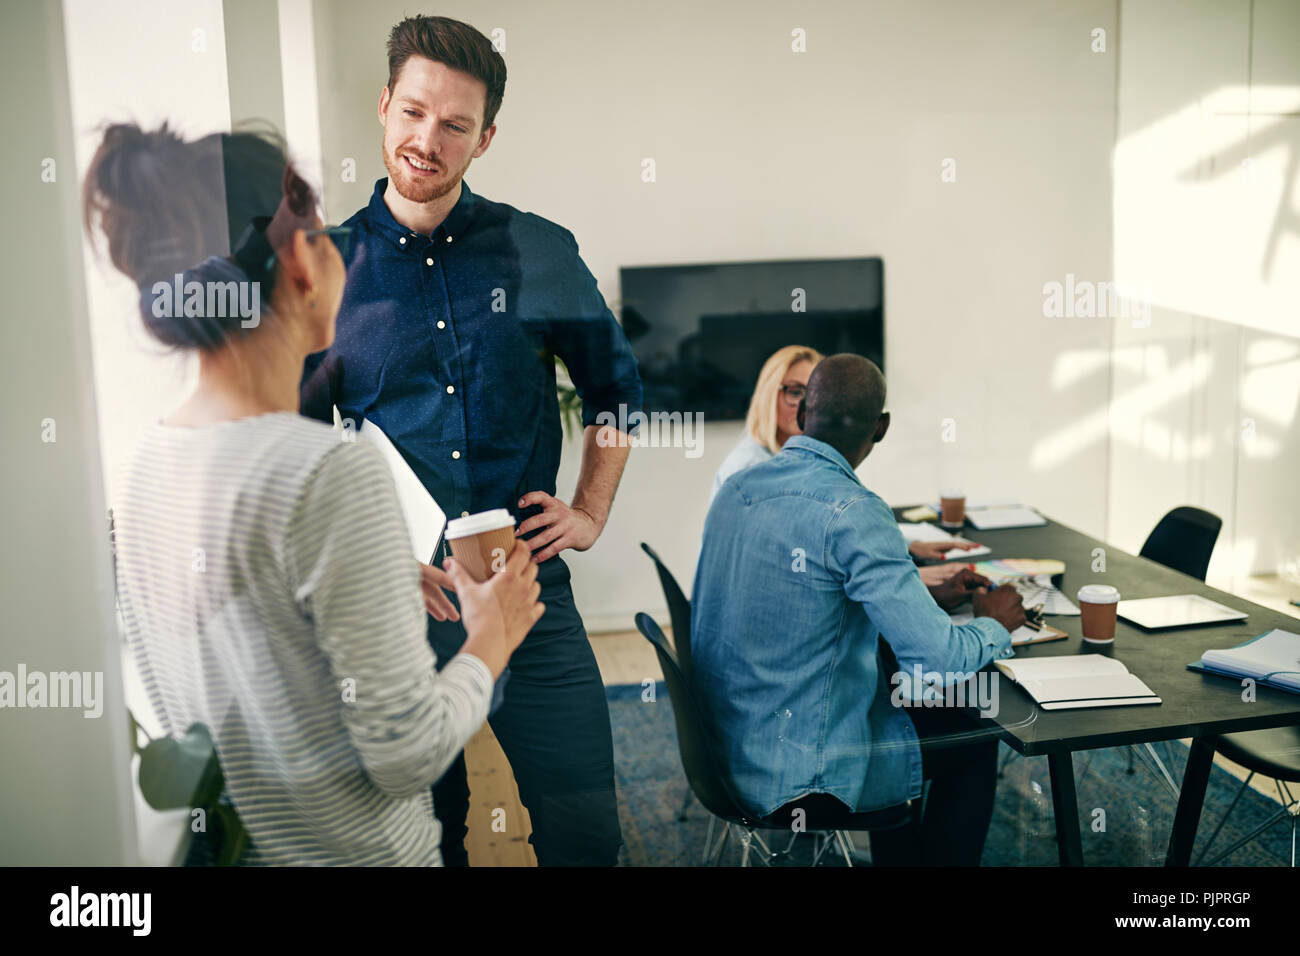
<point>1126,818</point>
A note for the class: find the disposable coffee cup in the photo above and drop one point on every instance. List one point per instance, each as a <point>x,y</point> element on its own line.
<point>482,542</point>
<point>1098,604</point>
<point>952,509</point>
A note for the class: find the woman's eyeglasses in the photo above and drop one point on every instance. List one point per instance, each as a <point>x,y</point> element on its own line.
<point>255,256</point>
<point>793,394</point>
<point>344,232</point>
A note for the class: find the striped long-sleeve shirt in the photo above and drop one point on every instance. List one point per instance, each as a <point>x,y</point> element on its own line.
<point>268,590</point>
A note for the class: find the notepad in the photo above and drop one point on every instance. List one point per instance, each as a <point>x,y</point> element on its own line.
<point>988,519</point>
<point>928,532</point>
<point>424,519</point>
<point>1077,681</point>
<point>1272,659</point>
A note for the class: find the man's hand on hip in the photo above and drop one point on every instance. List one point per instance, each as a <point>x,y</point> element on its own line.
<point>564,527</point>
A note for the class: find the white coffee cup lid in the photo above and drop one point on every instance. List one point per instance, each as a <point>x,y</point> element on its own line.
<point>1098,594</point>
<point>952,493</point>
<point>477,524</point>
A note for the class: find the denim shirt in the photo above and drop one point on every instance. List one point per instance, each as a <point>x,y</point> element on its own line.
<point>447,342</point>
<point>802,572</point>
<point>748,451</point>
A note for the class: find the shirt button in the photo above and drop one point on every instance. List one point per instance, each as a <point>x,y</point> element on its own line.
<point>449,238</point>
<point>464,514</point>
<point>450,389</point>
<point>402,241</point>
<point>442,324</point>
<point>455,454</point>
<point>428,262</point>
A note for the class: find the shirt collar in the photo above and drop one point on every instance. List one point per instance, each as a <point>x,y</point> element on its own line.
<point>382,219</point>
<point>821,449</point>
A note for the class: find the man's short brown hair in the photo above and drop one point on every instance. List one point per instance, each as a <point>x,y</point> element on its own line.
<point>456,44</point>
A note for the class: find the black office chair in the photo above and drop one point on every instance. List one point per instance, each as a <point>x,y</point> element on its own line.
<point>679,610</point>
<point>1273,753</point>
<point>1183,540</point>
<point>820,813</point>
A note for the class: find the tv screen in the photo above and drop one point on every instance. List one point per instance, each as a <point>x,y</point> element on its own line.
<point>702,332</point>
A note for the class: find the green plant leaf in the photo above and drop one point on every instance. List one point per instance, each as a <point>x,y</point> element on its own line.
<point>181,772</point>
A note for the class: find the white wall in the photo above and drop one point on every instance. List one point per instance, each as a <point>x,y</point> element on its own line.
<point>146,62</point>
<point>65,794</point>
<point>763,153</point>
<point>1206,406</point>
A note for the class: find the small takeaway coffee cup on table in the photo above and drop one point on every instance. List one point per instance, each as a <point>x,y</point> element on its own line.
<point>1098,604</point>
<point>482,542</point>
<point>952,509</point>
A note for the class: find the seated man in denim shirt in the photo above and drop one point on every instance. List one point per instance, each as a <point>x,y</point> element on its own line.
<point>802,579</point>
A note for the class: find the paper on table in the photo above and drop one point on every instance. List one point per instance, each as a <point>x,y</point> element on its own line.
<point>1020,635</point>
<point>987,519</point>
<point>424,519</point>
<point>928,532</point>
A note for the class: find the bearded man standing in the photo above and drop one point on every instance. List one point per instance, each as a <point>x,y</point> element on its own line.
<point>454,311</point>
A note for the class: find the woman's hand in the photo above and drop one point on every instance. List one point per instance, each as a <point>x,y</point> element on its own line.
<point>935,550</point>
<point>434,582</point>
<point>500,611</point>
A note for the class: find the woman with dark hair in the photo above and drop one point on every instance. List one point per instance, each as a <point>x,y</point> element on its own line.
<point>264,571</point>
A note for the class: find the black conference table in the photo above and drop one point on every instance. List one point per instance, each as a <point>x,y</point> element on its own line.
<point>1194,704</point>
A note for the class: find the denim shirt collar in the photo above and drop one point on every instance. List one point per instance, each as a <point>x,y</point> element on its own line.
<point>822,450</point>
<point>377,212</point>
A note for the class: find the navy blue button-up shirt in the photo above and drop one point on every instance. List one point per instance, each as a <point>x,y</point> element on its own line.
<point>447,343</point>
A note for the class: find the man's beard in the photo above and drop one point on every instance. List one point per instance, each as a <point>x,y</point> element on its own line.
<point>423,189</point>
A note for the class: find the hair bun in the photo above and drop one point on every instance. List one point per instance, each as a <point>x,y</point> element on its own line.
<point>167,207</point>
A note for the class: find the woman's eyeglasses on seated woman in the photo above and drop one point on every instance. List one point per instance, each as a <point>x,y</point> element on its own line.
<point>793,394</point>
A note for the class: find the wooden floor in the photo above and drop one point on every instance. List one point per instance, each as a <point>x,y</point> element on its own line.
<point>624,658</point>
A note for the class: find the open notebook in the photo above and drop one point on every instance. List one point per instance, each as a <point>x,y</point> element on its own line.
<point>1272,659</point>
<point>1078,680</point>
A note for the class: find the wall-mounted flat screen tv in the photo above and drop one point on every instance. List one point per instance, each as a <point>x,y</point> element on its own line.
<point>702,332</point>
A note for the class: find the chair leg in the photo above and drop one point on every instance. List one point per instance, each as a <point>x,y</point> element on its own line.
<point>1254,833</point>
<point>767,854</point>
<point>820,847</point>
<point>1217,830</point>
<point>1157,766</point>
<point>722,842</point>
<point>748,838</point>
<point>843,840</point>
<point>708,837</point>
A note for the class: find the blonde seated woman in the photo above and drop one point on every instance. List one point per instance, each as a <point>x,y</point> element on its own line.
<point>773,418</point>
